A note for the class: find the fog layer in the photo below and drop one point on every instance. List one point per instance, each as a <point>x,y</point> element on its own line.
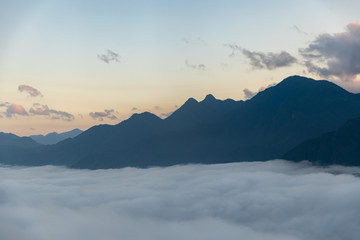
<point>267,200</point>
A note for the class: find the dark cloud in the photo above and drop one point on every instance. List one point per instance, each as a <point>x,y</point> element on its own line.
<point>30,90</point>
<point>44,110</point>
<point>109,56</point>
<point>15,109</point>
<point>199,67</point>
<point>108,113</point>
<point>260,60</point>
<point>336,55</point>
<point>270,61</point>
<point>274,200</point>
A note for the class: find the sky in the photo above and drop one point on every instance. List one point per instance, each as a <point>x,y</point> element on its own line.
<point>74,64</point>
<point>274,200</point>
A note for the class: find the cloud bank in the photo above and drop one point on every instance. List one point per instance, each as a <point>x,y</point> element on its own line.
<point>30,90</point>
<point>336,55</point>
<point>108,113</point>
<point>272,200</point>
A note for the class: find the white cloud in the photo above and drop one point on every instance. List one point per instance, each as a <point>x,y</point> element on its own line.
<point>271,200</point>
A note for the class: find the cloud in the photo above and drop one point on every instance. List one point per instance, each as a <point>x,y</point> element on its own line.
<point>165,115</point>
<point>44,110</point>
<point>270,61</point>
<point>250,94</point>
<point>134,109</point>
<point>15,109</point>
<point>234,48</point>
<point>335,56</point>
<point>109,56</point>
<point>271,200</point>
<point>199,67</point>
<point>297,29</point>
<point>191,41</point>
<point>30,90</point>
<point>260,60</point>
<point>108,113</point>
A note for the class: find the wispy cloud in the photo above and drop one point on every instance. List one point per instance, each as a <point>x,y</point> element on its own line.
<point>44,110</point>
<point>335,55</point>
<point>198,67</point>
<point>109,56</point>
<point>260,60</point>
<point>194,41</point>
<point>108,113</point>
<point>33,92</point>
<point>248,94</point>
<point>235,49</point>
<point>298,30</point>
<point>167,114</point>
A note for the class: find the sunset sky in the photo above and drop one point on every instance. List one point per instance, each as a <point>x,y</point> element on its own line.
<point>68,64</point>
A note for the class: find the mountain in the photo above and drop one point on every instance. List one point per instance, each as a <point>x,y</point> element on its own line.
<point>341,147</point>
<point>210,131</point>
<point>53,138</point>
<point>15,149</point>
<point>9,139</point>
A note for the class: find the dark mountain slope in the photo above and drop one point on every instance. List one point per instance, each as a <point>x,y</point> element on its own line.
<point>15,149</point>
<point>338,147</point>
<point>280,117</point>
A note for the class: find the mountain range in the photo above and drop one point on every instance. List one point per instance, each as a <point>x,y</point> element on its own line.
<point>54,137</point>
<point>273,124</point>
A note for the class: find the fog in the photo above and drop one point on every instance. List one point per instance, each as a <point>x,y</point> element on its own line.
<point>261,200</point>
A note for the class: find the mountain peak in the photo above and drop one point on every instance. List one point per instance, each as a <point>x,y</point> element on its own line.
<point>191,101</point>
<point>143,116</point>
<point>209,98</point>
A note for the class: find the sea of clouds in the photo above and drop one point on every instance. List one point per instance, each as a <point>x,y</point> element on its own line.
<point>260,200</point>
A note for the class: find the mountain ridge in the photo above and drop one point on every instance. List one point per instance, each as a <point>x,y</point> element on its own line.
<point>211,131</point>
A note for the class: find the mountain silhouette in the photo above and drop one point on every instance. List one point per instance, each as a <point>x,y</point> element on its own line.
<point>211,131</point>
<point>341,147</point>
<point>53,138</point>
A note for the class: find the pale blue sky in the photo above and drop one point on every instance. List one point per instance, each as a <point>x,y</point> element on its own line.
<point>53,47</point>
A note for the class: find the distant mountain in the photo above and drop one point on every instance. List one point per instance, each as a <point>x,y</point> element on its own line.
<point>9,139</point>
<point>53,138</point>
<point>211,131</point>
<point>340,147</point>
